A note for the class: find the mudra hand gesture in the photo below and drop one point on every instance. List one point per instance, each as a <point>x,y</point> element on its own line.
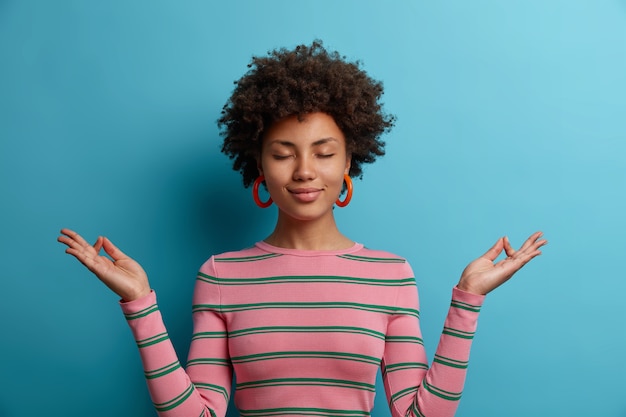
<point>120,273</point>
<point>483,275</point>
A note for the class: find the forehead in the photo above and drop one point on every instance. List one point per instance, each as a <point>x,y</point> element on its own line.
<point>312,129</point>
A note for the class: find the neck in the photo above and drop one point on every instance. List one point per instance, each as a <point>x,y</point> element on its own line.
<point>321,234</point>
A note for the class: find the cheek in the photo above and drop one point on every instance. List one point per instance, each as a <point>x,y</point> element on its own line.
<point>334,174</point>
<point>274,180</point>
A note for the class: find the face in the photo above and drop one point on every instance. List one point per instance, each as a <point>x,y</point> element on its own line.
<point>303,163</point>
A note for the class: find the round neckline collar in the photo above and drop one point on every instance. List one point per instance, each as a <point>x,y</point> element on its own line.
<point>304,252</point>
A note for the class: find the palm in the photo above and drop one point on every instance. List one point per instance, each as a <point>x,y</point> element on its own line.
<point>119,270</point>
<point>483,275</point>
<point>120,273</point>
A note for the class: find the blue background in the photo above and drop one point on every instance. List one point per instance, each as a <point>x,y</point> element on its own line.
<point>511,118</point>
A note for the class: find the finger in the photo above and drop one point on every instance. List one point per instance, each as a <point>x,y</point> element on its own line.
<point>521,258</point>
<point>75,237</point>
<point>533,249</point>
<point>98,245</point>
<point>65,240</point>
<point>77,246</point>
<point>508,249</point>
<point>82,249</point>
<point>495,250</point>
<point>71,243</point>
<point>531,240</point>
<point>112,250</point>
<point>538,244</point>
<point>92,261</point>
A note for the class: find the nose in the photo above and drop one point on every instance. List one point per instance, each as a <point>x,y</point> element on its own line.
<point>304,169</point>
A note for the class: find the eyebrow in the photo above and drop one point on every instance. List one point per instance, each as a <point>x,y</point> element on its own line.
<point>316,143</point>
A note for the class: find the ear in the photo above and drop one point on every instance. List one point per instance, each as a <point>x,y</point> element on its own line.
<point>348,163</point>
<point>259,164</point>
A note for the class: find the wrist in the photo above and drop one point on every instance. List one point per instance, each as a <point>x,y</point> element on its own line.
<point>469,289</point>
<point>136,295</point>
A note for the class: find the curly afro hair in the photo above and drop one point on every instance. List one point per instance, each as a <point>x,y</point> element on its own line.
<point>296,82</point>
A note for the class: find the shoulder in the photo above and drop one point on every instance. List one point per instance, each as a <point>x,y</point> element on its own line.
<point>251,253</point>
<point>241,260</point>
<point>365,254</point>
<point>377,263</point>
<point>242,255</point>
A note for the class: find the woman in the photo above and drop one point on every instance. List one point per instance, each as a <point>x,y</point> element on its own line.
<point>305,317</point>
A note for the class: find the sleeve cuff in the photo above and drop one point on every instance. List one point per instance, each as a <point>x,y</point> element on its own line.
<point>138,304</point>
<point>467,297</point>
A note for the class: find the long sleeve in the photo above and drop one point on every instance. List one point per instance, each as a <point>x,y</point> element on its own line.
<point>201,391</point>
<point>412,387</point>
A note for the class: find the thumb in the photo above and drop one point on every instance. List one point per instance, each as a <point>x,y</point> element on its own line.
<point>495,250</point>
<point>112,250</point>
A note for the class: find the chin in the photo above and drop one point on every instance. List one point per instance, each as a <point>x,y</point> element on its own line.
<point>306,215</point>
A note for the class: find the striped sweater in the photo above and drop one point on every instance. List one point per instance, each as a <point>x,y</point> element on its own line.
<point>305,333</point>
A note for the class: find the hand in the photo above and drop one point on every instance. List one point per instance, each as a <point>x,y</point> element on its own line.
<point>121,274</point>
<point>483,275</point>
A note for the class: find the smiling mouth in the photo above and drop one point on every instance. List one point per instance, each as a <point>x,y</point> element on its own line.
<point>306,195</point>
<point>305,190</point>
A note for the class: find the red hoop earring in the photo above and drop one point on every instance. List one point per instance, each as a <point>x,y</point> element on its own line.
<point>346,200</point>
<point>255,193</point>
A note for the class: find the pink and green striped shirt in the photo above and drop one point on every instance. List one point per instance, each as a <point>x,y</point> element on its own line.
<point>305,333</point>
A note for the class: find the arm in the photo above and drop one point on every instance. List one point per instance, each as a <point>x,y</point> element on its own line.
<point>174,392</point>
<point>412,388</point>
<point>203,388</point>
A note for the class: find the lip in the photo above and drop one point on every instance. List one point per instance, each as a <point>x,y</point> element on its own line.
<point>305,195</point>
